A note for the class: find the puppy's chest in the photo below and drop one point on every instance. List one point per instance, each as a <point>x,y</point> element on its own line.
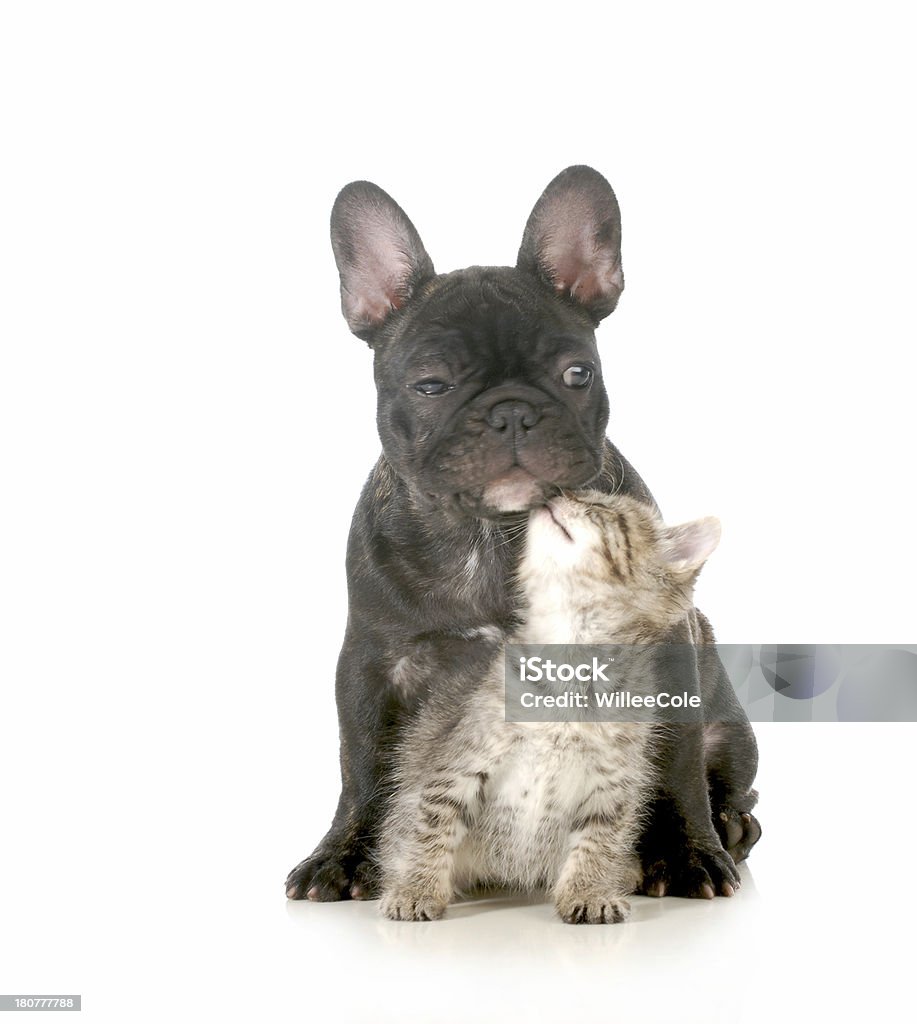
<point>470,582</point>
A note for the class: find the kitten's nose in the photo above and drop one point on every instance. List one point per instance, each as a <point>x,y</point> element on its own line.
<point>514,415</point>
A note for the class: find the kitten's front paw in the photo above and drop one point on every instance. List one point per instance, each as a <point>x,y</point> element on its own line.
<point>585,907</point>
<point>409,904</point>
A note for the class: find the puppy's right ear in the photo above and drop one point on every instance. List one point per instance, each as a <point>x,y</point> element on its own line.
<point>379,255</point>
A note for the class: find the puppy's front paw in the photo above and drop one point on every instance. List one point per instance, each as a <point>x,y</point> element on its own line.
<point>333,872</point>
<point>582,906</point>
<point>412,904</point>
<point>697,871</point>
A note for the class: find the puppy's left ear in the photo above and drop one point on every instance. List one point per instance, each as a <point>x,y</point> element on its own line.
<point>380,257</point>
<point>572,241</point>
<point>686,547</point>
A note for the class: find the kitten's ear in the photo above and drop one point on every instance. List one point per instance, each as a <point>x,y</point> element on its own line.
<point>572,241</point>
<point>687,547</point>
<point>379,255</point>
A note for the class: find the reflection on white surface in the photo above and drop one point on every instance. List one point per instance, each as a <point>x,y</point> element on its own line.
<point>175,910</point>
<point>510,926</point>
<point>813,930</point>
<point>496,957</point>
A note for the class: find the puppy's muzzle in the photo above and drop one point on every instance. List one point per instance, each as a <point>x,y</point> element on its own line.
<point>514,416</point>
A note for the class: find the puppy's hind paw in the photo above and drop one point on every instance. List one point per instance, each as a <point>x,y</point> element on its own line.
<point>738,832</point>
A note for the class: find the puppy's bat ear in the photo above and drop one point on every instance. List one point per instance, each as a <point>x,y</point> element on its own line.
<point>572,241</point>
<point>379,256</point>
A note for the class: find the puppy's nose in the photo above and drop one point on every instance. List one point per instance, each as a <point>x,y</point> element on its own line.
<point>514,415</point>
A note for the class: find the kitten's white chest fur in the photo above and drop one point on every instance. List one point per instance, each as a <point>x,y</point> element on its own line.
<point>556,804</point>
<point>543,781</point>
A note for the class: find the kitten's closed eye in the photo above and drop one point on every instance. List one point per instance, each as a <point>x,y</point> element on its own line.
<point>582,548</point>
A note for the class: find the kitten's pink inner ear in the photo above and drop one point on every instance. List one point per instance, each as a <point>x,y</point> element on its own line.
<point>691,544</point>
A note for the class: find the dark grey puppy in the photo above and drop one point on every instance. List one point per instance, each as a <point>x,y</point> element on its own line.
<point>490,400</point>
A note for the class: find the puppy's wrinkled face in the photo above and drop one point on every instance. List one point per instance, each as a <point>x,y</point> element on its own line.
<point>490,392</point>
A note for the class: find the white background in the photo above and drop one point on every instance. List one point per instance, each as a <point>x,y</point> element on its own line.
<point>185,424</point>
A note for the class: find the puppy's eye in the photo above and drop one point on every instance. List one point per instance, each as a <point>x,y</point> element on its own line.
<point>578,376</point>
<point>432,387</point>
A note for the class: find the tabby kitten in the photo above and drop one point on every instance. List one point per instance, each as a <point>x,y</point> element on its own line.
<point>484,801</point>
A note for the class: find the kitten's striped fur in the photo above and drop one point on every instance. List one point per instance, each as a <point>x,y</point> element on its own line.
<point>483,801</point>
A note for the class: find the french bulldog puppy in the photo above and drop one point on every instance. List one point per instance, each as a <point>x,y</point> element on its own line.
<point>490,401</point>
